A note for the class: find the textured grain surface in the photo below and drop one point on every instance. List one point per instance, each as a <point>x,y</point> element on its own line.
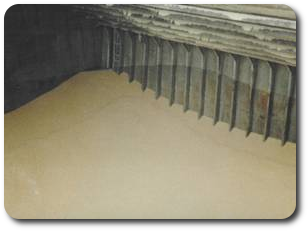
<point>97,147</point>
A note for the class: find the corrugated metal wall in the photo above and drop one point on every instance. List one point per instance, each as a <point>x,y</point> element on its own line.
<point>250,94</point>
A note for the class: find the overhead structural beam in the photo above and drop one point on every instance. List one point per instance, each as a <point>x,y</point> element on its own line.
<point>256,35</point>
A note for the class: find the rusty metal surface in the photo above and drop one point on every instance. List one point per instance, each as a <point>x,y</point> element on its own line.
<point>250,94</point>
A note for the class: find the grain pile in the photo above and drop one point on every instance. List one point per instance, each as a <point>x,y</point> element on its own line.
<point>97,147</point>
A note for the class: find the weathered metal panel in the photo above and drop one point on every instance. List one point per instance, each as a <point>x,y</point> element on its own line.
<point>181,74</point>
<point>167,62</point>
<point>227,84</point>
<point>106,43</point>
<point>244,96</point>
<point>280,102</point>
<point>212,73</point>
<point>128,53</point>
<point>140,57</point>
<point>260,98</point>
<point>97,47</point>
<point>196,79</point>
<point>153,63</point>
<point>117,54</point>
<point>292,125</point>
